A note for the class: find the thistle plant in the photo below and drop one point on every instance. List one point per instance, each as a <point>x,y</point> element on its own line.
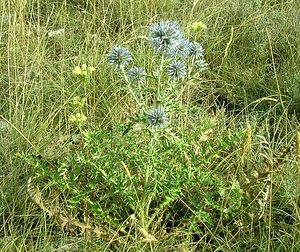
<point>165,36</point>
<point>136,75</point>
<point>195,50</point>
<point>156,117</point>
<point>119,57</point>
<point>176,70</point>
<point>178,61</point>
<point>148,170</point>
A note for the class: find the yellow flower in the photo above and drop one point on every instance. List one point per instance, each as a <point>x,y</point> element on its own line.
<point>78,119</point>
<point>91,69</point>
<point>77,70</point>
<point>83,70</point>
<point>78,102</point>
<point>198,26</point>
<point>83,67</point>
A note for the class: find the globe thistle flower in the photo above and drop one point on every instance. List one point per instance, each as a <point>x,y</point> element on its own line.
<point>165,35</point>
<point>119,56</point>
<point>195,50</point>
<point>181,50</point>
<point>200,64</point>
<point>156,117</point>
<point>177,70</point>
<point>136,75</point>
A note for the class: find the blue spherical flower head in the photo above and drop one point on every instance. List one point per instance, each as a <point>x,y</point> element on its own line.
<point>156,117</point>
<point>136,75</point>
<point>165,35</point>
<point>195,50</point>
<point>177,70</point>
<point>200,65</point>
<point>119,56</point>
<point>181,50</point>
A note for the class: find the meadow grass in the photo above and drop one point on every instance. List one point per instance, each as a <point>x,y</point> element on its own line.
<point>252,49</point>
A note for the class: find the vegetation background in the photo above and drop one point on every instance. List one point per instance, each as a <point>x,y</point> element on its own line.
<point>253,50</point>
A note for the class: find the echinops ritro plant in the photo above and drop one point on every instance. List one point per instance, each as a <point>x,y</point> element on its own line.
<point>180,61</point>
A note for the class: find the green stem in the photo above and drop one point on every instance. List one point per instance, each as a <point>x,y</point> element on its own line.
<point>130,89</point>
<point>159,77</point>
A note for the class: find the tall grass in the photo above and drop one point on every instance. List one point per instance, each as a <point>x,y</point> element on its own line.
<point>252,48</point>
